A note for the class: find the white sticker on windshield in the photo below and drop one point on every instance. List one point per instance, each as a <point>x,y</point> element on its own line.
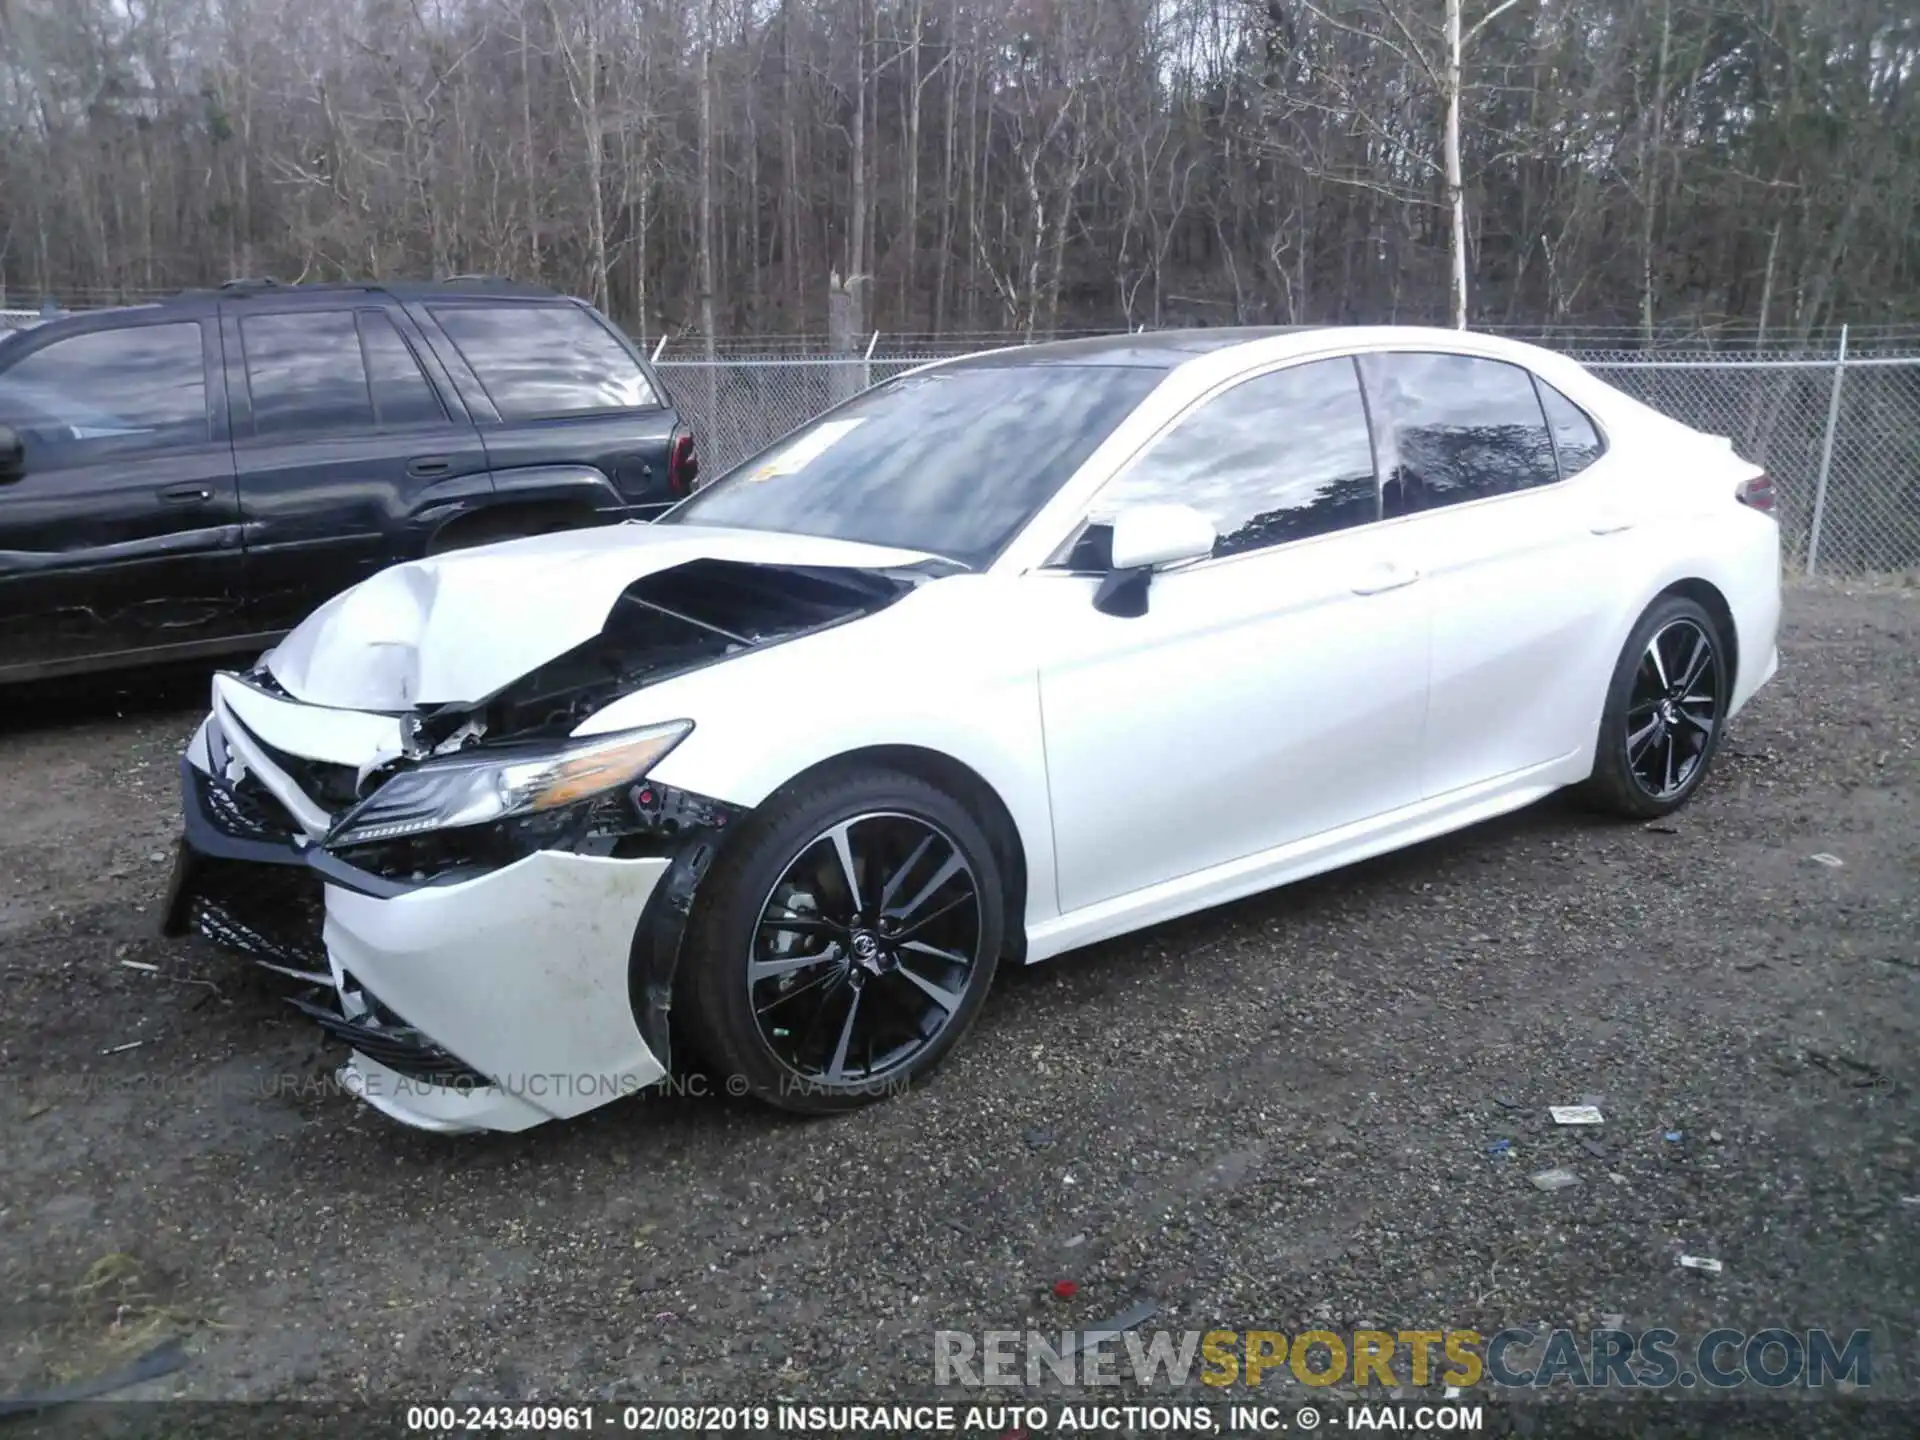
<point>804,451</point>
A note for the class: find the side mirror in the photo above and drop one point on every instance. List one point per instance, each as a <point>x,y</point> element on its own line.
<point>13,455</point>
<point>1148,538</point>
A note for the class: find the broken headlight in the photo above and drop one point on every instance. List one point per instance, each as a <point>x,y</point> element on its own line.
<point>483,787</point>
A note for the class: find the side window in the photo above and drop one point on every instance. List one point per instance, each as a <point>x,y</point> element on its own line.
<point>305,374</point>
<point>401,392</point>
<point>135,388</point>
<point>1283,456</point>
<point>539,360</point>
<point>1575,439</point>
<point>1454,428</point>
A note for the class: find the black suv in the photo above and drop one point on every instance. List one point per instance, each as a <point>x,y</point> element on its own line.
<point>194,476</point>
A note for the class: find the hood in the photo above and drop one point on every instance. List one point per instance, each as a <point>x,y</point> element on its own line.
<point>457,628</point>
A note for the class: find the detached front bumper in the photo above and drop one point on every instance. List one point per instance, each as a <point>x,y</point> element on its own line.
<point>486,1003</point>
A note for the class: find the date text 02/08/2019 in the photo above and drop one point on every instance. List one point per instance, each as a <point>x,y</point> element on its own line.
<point>984,1420</point>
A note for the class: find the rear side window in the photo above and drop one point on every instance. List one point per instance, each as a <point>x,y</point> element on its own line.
<point>1454,428</point>
<point>305,374</point>
<point>1575,439</point>
<point>539,360</point>
<point>135,388</point>
<point>1283,456</point>
<point>401,392</point>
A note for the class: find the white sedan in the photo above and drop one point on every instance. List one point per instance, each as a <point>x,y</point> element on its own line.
<point>1008,655</point>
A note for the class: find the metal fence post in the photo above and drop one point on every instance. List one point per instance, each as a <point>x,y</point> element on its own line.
<point>1826,457</point>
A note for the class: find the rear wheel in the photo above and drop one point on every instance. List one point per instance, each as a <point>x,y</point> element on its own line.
<point>844,942</point>
<point>1665,709</point>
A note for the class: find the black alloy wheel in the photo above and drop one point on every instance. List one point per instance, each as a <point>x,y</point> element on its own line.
<point>844,940</point>
<point>864,948</point>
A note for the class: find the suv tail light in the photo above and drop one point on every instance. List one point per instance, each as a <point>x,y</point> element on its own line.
<point>683,464</point>
<point>1757,492</point>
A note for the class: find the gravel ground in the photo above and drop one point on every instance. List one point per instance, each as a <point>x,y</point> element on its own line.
<point>1276,1115</point>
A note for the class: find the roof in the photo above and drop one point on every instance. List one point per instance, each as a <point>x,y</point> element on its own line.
<point>399,289</point>
<point>1152,350</point>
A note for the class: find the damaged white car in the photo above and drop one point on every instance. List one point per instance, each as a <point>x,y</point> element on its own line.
<point>1011,654</point>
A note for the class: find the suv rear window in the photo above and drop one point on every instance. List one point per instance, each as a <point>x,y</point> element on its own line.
<point>539,360</point>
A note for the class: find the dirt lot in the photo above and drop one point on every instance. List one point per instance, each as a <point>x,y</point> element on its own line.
<point>1275,1116</point>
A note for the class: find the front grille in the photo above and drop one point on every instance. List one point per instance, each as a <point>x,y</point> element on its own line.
<point>333,787</point>
<point>398,1046</point>
<point>271,913</point>
<point>246,811</point>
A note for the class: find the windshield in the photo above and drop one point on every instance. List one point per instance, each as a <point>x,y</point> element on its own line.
<point>950,462</point>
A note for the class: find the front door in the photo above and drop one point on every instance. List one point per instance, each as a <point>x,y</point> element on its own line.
<point>121,539</point>
<point>1271,693</point>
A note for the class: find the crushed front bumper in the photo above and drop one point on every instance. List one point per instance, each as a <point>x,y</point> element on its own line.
<point>486,1003</point>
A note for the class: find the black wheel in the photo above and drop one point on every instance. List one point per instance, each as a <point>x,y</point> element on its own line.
<point>843,942</point>
<point>1665,710</point>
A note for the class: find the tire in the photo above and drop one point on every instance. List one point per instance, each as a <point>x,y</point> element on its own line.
<point>1657,737</point>
<point>819,1017</point>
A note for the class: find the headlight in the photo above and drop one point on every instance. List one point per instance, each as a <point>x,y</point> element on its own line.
<point>477,789</point>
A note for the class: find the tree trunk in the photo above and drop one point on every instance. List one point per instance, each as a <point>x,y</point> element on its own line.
<point>527,153</point>
<point>1456,189</point>
<point>1650,176</point>
<point>857,226</point>
<point>910,220</point>
<point>706,187</point>
<point>947,202</point>
<point>596,170</point>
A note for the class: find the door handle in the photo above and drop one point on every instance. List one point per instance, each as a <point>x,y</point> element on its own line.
<point>1384,577</point>
<point>429,465</point>
<point>190,493</point>
<point>1611,523</point>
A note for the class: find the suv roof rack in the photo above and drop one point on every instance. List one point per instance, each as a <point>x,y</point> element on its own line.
<point>242,286</point>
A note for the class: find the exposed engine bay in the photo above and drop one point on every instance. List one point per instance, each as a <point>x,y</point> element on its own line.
<point>663,625</point>
<point>287,801</point>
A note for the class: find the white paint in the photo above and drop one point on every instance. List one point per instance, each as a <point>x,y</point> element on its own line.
<point>455,628</point>
<point>1273,715</point>
<point>521,973</point>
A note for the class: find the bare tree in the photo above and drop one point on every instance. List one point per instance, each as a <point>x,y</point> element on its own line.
<point>1023,164</point>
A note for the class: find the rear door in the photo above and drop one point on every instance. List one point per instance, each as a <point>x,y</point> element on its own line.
<point>122,538</point>
<point>567,409</point>
<point>348,454</point>
<point>1515,573</point>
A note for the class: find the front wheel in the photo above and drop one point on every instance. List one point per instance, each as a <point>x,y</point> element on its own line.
<point>1665,709</point>
<point>844,942</point>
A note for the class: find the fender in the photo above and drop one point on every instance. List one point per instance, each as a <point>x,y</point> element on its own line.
<point>1755,611</point>
<point>571,487</point>
<point>961,689</point>
<point>581,486</point>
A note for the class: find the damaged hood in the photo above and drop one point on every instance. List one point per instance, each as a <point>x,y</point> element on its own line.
<point>454,629</point>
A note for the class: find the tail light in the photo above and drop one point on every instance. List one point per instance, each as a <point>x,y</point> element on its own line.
<point>1757,493</point>
<point>683,464</point>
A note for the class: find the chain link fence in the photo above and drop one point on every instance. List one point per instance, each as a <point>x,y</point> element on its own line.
<point>1838,429</point>
<point>1839,433</point>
